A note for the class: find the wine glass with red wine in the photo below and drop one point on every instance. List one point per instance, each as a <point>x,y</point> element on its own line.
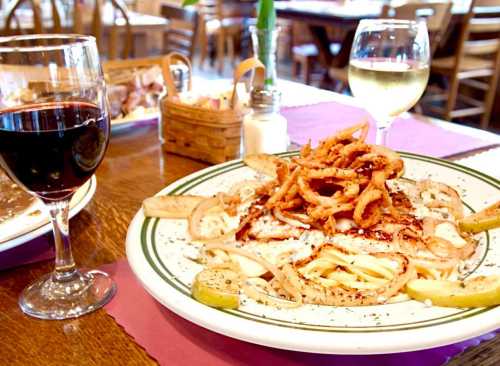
<point>54,131</point>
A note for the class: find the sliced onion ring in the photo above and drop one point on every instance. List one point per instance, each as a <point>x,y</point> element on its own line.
<point>287,220</point>
<point>196,217</point>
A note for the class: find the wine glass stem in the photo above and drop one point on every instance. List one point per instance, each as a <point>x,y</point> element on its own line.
<point>381,137</point>
<point>382,130</point>
<point>65,265</point>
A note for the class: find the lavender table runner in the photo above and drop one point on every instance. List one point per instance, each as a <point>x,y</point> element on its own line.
<point>172,340</point>
<point>321,120</point>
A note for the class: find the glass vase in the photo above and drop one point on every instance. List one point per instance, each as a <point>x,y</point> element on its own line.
<point>265,48</point>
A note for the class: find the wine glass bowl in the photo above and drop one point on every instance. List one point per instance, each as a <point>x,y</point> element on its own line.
<point>389,68</point>
<point>44,159</point>
<point>54,131</point>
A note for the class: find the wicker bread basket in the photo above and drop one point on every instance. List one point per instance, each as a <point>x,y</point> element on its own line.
<point>213,136</point>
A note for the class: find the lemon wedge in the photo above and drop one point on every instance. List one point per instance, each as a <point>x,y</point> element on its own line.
<point>486,219</point>
<point>480,291</point>
<point>476,225</point>
<point>218,288</point>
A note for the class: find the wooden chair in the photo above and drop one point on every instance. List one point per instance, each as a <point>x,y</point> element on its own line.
<point>115,38</point>
<point>223,26</point>
<point>305,57</point>
<point>38,27</point>
<point>182,32</point>
<point>436,14</point>
<point>476,65</point>
<point>305,54</point>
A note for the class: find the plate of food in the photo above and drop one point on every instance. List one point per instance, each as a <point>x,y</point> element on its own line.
<point>134,94</point>
<point>22,216</point>
<point>346,248</point>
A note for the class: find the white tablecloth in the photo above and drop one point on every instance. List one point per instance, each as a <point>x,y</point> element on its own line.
<point>487,162</point>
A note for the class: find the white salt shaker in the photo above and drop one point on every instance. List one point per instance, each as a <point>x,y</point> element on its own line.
<point>264,129</point>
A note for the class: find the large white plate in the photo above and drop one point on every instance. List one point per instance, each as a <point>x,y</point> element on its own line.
<point>156,250</point>
<point>26,226</point>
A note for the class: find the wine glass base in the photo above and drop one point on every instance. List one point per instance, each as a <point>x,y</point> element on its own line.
<point>82,293</point>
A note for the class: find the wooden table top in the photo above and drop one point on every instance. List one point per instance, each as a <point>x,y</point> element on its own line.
<point>350,11</point>
<point>139,22</point>
<point>134,168</point>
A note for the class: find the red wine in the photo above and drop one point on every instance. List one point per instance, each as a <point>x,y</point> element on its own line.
<point>51,149</point>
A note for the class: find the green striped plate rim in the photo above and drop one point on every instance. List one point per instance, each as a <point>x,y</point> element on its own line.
<point>149,226</point>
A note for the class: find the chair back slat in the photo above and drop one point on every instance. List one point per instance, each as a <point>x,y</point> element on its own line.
<point>480,35</point>
<point>13,25</point>
<point>484,25</point>
<point>481,47</point>
<point>119,34</point>
<point>219,9</point>
<point>56,18</point>
<point>182,31</point>
<point>436,14</point>
<point>78,9</point>
<point>179,40</point>
<point>210,9</point>
<point>96,26</point>
<point>477,55</point>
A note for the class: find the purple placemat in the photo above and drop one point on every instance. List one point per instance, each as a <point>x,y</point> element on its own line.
<point>321,120</point>
<point>172,340</point>
<point>36,250</point>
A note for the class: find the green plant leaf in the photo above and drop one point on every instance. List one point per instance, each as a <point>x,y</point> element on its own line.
<point>189,2</point>
<point>267,15</point>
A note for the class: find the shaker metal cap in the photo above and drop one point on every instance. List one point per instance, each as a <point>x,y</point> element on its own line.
<point>265,100</point>
<point>180,74</point>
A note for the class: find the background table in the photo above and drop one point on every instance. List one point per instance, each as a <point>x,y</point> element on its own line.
<point>346,14</point>
<point>354,10</point>
<point>134,168</point>
<point>142,27</point>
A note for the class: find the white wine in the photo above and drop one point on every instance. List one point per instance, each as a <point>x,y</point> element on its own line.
<point>387,88</point>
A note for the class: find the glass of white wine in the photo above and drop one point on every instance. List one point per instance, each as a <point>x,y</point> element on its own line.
<point>389,68</point>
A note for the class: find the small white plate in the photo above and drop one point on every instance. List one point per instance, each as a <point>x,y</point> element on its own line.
<point>157,251</point>
<point>26,226</point>
<point>128,121</point>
